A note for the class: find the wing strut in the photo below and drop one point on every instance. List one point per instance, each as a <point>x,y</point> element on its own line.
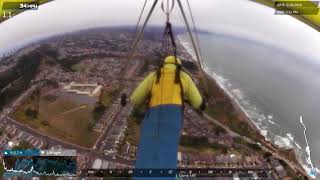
<point>138,23</point>
<point>202,73</point>
<point>140,34</point>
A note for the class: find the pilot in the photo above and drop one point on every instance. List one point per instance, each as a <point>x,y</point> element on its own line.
<point>164,91</point>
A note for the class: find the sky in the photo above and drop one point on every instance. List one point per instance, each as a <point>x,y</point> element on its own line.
<point>241,18</point>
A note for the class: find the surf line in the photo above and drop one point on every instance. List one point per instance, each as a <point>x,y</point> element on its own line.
<point>313,171</point>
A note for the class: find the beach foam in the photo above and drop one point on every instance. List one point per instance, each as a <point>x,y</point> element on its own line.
<point>264,123</point>
<point>282,142</point>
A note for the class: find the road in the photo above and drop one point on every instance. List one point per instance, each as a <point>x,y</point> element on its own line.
<point>228,130</point>
<point>65,145</point>
<point>266,149</point>
<point>109,127</point>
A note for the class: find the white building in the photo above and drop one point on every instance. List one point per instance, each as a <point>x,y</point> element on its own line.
<point>92,90</point>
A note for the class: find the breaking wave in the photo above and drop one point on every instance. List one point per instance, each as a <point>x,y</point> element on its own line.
<point>264,122</point>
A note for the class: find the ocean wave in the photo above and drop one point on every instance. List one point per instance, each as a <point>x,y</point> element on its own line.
<point>290,136</point>
<point>260,120</point>
<point>283,142</point>
<point>297,145</point>
<point>264,133</point>
<point>265,124</point>
<point>238,93</point>
<point>271,122</point>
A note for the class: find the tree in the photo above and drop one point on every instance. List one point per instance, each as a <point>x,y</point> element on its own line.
<point>1,169</point>
<point>91,125</point>
<point>199,142</point>
<point>267,155</point>
<point>30,112</point>
<point>219,130</point>
<point>1,131</point>
<point>138,113</point>
<point>23,145</point>
<point>45,123</point>
<point>98,110</point>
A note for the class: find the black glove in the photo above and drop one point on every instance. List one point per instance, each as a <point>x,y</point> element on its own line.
<point>203,105</point>
<point>123,99</point>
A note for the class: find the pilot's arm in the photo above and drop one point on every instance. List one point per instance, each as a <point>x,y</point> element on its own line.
<point>142,91</point>
<point>192,93</point>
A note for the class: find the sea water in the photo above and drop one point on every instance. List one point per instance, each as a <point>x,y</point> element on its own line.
<point>274,87</point>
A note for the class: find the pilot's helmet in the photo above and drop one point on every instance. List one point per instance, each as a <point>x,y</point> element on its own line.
<point>172,60</point>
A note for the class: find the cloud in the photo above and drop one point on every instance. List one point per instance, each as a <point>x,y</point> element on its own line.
<point>238,18</point>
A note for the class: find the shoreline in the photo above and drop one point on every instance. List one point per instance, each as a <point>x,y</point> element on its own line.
<point>239,109</point>
<point>241,112</point>
<point>224,91</point>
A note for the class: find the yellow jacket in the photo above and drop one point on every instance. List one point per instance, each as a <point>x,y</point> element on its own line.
<point>166,91</point>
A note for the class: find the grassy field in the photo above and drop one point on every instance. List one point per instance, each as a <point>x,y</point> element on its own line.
<point>79,67</point>
<point>60,118</point>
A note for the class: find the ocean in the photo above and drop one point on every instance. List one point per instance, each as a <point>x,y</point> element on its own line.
<point>274,88</point>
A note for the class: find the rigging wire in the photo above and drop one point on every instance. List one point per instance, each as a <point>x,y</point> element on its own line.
<point>195,32</point>
<point>140,34</point>
<point>140,16</point>
<point>202,73</point>
<point>167,35</point>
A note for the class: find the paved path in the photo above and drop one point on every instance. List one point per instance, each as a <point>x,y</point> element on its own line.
<point>229,131</point>
<point>267,149</point>
<point>74,109</point>
<point>66,145</point>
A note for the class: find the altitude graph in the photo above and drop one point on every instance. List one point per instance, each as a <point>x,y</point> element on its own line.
<point>30,163</point>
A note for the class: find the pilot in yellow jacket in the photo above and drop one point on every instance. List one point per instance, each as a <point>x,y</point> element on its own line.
<point>165,91</point>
